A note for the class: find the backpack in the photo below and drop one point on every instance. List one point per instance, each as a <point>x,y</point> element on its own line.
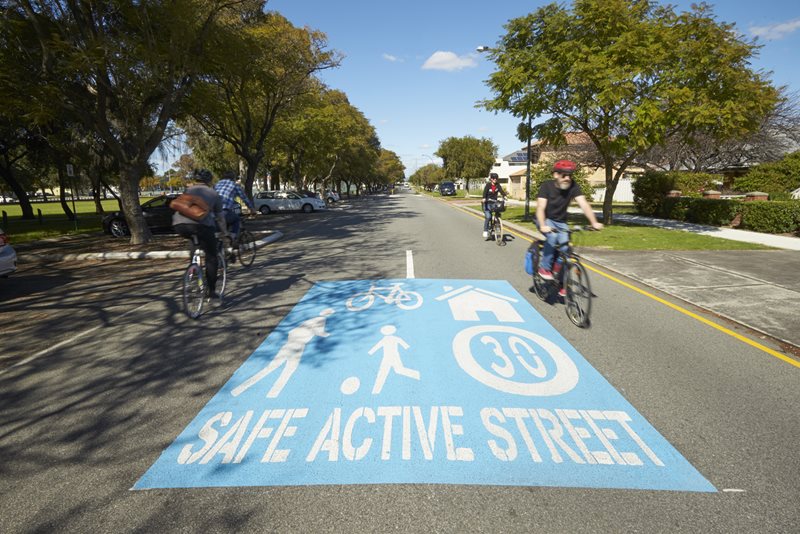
<point>191,206</point>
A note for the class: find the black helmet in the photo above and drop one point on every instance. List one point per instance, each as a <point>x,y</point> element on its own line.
<point>203,175</point>
<point>229,175</point>
<point>493,175</point>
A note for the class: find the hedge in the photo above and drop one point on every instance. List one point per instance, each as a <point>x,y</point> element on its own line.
<point>714,212</point>
<point>771,217</point>
<point>650,190</point>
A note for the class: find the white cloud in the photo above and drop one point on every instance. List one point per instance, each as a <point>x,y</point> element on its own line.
<point>391,58</point>
<point>425,146</point>
<point>774,32</point>
<point>449,61</point>
<point>384,121</point>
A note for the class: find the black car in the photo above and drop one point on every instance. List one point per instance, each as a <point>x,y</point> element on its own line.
<point>157,214</point>
<point>447,189</point>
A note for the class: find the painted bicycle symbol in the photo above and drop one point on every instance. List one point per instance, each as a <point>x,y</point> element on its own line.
<point>393,294</point>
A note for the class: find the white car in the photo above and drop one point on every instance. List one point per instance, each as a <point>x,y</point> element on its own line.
<point>331,197</point>
<point>270,201</point>
<point>8,256</point>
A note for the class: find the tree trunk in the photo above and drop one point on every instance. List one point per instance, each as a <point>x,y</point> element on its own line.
<point>62,183</point>
<point>250,177</point>
<point>19,191</point>
<point>130,175</point>
<point>347,184</point>
<point>611,186</point>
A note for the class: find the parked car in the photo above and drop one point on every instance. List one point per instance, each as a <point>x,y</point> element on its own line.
<point>269,201</point>
<point>447,189</point>
<point>8,256</point>
<point>331,196</point>
<point>157,215</point>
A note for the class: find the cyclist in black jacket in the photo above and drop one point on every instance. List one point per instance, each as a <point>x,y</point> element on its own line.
<point>490,193</point>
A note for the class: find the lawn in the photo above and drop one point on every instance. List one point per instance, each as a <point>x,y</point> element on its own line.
<point>625,236</point>
<point>54,222</point>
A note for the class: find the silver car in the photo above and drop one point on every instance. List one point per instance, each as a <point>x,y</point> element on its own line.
<point>8,256</point>
<point>271,201</point>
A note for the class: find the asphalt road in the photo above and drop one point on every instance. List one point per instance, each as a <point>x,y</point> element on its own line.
<point>100,371</point>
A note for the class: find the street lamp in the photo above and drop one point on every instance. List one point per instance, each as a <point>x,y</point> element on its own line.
<point>482,48</point>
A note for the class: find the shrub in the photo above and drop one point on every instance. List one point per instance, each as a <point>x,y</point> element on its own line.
<point>716,212</point>
<point>674,208</point>
<point>650,190</point>
<point>771,217</point>
<point>780,177</point>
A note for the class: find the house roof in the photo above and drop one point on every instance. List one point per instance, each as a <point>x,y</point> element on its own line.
<point>466,289</point>
<point>570,139</point>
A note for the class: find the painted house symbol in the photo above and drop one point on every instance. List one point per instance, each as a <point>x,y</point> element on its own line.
<point>468,301</point>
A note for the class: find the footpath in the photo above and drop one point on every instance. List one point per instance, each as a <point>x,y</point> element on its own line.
<point>759,289</point>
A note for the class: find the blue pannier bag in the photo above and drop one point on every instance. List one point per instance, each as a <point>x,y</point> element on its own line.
<point>529,261</point>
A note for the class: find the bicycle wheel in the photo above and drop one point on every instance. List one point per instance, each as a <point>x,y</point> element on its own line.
<point>540,285</point>
<point>194,290</point>
<point>498,230</point>
<point>360,301</point>
<point>578,300</point>
<point>408,300</point>
<point>246,249</point>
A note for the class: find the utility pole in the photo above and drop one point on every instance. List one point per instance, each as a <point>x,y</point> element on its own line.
<point>527,216</point>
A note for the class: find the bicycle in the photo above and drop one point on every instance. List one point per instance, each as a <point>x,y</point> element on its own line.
<point>245,245</point>
<point>495,222</point>
<point>405,300</point>
<point>574,279</point>
<point>195,286</point>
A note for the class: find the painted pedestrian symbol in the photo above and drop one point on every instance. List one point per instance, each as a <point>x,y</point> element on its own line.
<point>289,356</point>
<point>392,294</point>
<point>473,387</point>
<point>390,344</point>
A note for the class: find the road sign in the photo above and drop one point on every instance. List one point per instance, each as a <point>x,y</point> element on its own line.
<point>419,381</point>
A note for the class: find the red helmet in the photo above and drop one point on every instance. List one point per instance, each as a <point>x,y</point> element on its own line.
<point>564,166</point>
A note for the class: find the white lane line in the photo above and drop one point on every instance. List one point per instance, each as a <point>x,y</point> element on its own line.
<point>65,342</point>
<point>733,490</point>
<point>409,264</point>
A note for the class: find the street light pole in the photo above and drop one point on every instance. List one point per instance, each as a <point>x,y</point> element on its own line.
<point>527,216</point>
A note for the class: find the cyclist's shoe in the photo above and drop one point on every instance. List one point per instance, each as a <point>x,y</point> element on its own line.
<point>486,235</point>
<point>214,298</point>
<point>562,293</point>
<point>545,274</point>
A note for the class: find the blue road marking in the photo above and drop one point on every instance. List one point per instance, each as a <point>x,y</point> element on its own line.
<point>419,381</point>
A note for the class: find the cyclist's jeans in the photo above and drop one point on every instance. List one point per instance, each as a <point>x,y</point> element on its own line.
<point>208,243</point>
<point>233,222</point>
<point>487,216</point>
<point>554,239</point>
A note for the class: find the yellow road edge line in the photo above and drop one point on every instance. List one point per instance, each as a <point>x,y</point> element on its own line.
<point>667,303</point>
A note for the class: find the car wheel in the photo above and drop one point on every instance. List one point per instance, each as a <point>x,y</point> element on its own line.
<point>264,210</point>
<point>308,208</point>
<point>118,228</point>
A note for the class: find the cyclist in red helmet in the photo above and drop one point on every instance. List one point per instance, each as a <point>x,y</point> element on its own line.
<point>553,200</point>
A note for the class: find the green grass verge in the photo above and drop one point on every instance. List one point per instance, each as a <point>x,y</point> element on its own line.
<point>626,236</point>
<point>54,222</point>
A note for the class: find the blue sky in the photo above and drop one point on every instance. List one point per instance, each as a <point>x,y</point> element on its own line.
<point>411,65</point>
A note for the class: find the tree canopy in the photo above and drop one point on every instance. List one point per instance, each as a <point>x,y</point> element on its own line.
<point>467,157</point>
<point>629,73</point>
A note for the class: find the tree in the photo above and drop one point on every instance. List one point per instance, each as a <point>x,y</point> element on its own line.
<point>630,74</point>
<point>389,168</point>
<point>467,157</point>
<point>123,70</point>
<point>258,67</point>
<point>427,176</point>
<point>777,135</point>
